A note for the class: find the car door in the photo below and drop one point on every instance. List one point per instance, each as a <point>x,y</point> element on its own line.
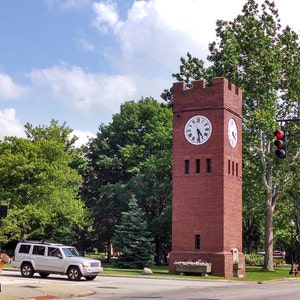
<point>54,259</point>
<point>38,256</point>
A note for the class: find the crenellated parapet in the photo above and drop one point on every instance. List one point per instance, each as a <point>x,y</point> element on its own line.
<point>221,94</point>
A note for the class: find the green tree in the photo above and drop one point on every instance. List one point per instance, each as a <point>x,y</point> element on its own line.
<point>132,239</point>
<point>39,186</point>
<point>131,155</point>
<point>256,54</point>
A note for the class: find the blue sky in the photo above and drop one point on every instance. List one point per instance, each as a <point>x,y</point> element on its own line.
<point>76,61</point>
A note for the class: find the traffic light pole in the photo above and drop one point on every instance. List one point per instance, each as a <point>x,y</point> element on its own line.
<point>287,120</point>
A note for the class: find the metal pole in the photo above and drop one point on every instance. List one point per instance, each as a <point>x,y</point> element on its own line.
<point>292,224</point>
<point>288,120</point>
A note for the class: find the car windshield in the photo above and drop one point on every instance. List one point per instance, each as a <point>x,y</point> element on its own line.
<point>69,252</point>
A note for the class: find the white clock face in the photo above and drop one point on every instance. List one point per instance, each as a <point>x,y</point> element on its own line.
<point>232,133</point>
<point>197,130</point>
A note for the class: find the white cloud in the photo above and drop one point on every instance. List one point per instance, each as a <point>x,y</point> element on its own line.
<point>84,91</point>
<point>9,89</point>
<point>106,16</point>
<point>9,125</point>
<point>158,32</point>
<point>83,137</point>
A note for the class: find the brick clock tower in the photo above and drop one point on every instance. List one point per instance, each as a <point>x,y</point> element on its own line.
<point>207,176</point>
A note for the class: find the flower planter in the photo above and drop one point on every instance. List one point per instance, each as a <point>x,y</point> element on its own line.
<point>203,270</point>
<point>1,266</point>
<point>4,258</point>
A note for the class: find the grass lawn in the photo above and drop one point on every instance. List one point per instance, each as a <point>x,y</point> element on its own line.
<point>252,273</point>
<point>257,274</point>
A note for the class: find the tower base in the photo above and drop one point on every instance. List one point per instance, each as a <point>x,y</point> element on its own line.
<point>225,264</point>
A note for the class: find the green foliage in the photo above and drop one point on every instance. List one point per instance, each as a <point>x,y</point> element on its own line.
<point>191,69</point>
<point>39,186</point>
<point>133,240</point>
<point>254,259</point>
<point>256,54</point>
<point>132,155</point>
<point>258,260</point>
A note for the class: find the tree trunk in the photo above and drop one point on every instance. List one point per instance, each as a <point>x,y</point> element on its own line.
<point>269,212</point>
<point>109,251</point>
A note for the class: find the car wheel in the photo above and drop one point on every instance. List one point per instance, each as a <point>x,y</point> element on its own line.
<point>44,275</point>
<point>27,270</point>
<point>74,273</point>
<point>90,277</point>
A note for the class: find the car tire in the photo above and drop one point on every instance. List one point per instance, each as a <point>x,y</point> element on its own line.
<point>90,277</point>
<point>27,270</point>
<point>44,275</point>
<point>74,273</point>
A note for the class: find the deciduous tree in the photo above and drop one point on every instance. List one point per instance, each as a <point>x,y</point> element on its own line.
<point>39,186</point>
<point>256,54</point>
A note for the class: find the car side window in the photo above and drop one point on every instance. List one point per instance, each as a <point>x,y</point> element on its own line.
<point>52,251</point>
<point>24,249</point>
<point>38,250</point>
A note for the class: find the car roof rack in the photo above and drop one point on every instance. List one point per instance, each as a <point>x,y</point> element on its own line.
<point>31,242</point>
<point>41,242</point>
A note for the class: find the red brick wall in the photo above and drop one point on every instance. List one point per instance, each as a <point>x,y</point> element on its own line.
<point>209,204</point>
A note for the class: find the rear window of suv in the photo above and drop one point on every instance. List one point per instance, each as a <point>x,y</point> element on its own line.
<point>24,249</point>
<point>38,250</point>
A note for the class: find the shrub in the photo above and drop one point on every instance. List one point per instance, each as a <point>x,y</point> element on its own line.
<point>254,259</point>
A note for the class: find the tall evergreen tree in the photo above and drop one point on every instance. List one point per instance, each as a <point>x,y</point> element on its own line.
<point>133,239</point>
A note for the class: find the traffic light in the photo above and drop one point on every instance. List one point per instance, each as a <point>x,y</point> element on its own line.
<point>280,144</point>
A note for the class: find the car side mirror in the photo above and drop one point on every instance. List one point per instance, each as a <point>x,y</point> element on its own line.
<point>58,255</point>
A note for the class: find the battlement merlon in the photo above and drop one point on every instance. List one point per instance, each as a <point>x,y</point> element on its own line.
<point>222,94</point>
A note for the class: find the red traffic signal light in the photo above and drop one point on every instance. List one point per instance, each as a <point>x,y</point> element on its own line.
<point>280,144</point>
<point>279,134</point>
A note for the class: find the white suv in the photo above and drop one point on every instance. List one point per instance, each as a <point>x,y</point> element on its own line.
<point>48,258</point>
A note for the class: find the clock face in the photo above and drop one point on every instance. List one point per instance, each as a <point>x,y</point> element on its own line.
<point>197,130</point>
<point>232,132</point>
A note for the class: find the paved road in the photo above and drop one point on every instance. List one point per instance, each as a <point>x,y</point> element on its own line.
<point>142,288</point>
<point>111,288</point>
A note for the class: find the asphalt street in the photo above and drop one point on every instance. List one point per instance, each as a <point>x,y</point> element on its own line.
<point>15,287</point>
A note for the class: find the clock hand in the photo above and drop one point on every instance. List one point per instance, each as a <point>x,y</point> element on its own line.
<point>199,134</point>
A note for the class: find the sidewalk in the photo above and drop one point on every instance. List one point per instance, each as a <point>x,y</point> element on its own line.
<point>37,290</point>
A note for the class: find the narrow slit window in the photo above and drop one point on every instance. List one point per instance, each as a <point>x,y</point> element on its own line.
<point>197,241</point>
<point>187,166</point>
<point>208,165</point>
<point>237,169</point>
<point>229,164</point>
<point>233,168</point>
<point>197,165</point>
